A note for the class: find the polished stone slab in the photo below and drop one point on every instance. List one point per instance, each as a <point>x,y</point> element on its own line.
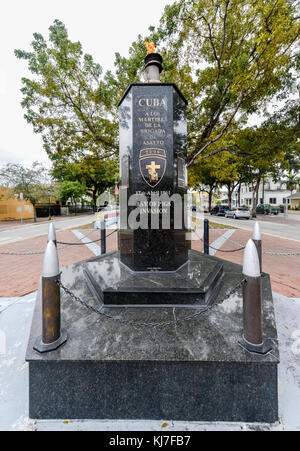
<point>153,137</point>
<point>190,370</point>
<point>195,283</point>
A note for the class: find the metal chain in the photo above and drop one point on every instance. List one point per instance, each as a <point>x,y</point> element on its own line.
<point>144,324</point>
<point>230,250</point>
<point>219,250</point>
<point>59,248</point>
<point>243,247</point>
<point>282,253</point>
<point>228,239</point>
<point>90,242</point>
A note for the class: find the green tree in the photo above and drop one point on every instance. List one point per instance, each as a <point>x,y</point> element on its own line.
<point>97,175</point>
<point>292,182</point>
<point>241,51</point>
<point>73,190</point>
<point>265,146</point>
<point>32,182</point>
<point>203,177</point>
<point>68,100</point>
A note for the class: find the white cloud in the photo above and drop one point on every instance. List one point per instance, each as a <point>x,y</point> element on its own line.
<point>102,27</point>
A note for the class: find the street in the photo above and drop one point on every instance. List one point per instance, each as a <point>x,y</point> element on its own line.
<point>272,225</point>
<point>20,232</point>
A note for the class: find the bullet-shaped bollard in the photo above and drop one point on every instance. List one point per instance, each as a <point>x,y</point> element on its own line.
<point>52,233</point>
<point>252,339</point>
<point>206,237</point>
<point>257,241</point>
<point>103,237</point>
<point>52,336</point>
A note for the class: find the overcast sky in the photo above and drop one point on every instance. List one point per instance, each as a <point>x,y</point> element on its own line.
<point>102,26</point>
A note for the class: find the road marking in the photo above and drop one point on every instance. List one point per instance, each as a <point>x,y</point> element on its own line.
<point>93,247</point>
<point>220,241</point>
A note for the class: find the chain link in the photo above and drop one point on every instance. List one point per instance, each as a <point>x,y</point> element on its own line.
<point>282,253</point>
<point>144,324</point>
<point>90,242</point>
<point>220,250</point>
<point>76,243</point>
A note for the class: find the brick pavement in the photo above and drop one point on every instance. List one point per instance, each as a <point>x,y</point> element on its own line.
<point>20,275</point>
<point>284,270</point>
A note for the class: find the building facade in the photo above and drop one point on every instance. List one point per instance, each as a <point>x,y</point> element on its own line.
<point>270,192</point>
<point>10,207</point>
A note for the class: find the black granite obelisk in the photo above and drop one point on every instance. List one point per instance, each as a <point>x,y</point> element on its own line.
<point>153,134</point>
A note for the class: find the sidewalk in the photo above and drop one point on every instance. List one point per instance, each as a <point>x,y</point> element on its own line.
<point>9,225</point>
<point>19,275</point>
<point>283,269</point>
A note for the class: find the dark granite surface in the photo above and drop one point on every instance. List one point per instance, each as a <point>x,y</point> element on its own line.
<point>212,337</point>
<point>182,391</point>
<point>115,284</point>
<point>153,129</point>
<point>192,371</point>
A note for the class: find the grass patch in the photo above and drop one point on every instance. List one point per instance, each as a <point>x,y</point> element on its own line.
<point>198,224</point>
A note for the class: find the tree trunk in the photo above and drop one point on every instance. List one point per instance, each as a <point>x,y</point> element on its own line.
<point>239,194</point>
<point>255,197</point>
<point>210,194</point>
<point>34,213</point>
<point>94,197</point>
<point>230,190</point>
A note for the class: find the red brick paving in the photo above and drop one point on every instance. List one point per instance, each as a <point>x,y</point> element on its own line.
<point>284,270</point>
<point>19,275</point>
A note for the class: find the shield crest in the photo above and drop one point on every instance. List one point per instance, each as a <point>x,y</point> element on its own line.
<point>153,164</point>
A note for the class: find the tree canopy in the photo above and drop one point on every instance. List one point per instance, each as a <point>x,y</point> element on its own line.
<point>229,58</point>
<point>68,100</point>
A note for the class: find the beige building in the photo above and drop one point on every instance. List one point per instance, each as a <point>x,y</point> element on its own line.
<point>10,206</point>
<point>295,200</point>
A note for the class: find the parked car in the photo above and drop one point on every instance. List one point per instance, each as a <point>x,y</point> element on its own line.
<point>238,213</point>
<point>219,210</point>
<point>267,209</point>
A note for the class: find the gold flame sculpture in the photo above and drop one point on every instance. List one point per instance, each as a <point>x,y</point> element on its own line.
<point>150,46</point>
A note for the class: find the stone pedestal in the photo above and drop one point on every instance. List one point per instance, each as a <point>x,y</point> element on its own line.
<point>192,370</point>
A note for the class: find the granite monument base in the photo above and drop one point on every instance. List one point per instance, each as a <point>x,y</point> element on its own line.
<point>116,285</point>
<point>191,370</point>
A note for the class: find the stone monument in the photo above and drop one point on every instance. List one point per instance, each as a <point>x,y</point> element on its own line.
<point>154,328</point>
<point>154,265</point>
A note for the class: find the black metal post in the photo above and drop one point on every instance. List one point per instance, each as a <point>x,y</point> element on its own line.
<point>103,237</point>
<point>206,236</point>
